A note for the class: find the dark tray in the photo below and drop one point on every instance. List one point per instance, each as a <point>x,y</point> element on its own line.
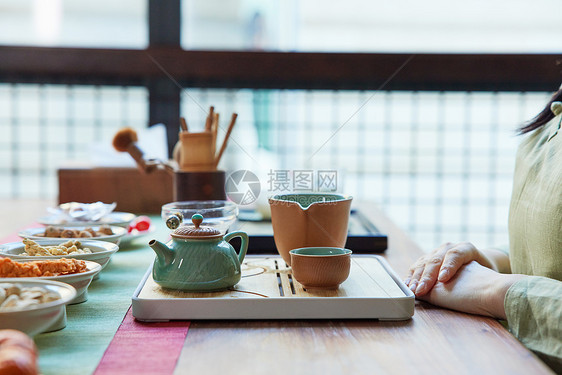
<point>363,237</point>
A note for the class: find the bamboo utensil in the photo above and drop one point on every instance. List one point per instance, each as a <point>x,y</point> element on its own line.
<point>226,137</point>
<point>183,124</point>
<point>197,151</point>
<point>210,119</point>
<point>214,129</point>
<point>125,140</point>
<point>194,152</point>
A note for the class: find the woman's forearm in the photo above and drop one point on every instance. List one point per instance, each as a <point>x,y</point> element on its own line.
<point>496,259</point>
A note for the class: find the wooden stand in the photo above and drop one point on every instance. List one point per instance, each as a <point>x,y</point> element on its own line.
<point>199,186</point>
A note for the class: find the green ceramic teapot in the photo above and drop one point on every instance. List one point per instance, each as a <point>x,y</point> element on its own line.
<point>198,259</point>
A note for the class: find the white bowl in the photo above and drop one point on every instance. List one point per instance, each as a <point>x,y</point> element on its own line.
<point>37,234</point>
<point>80,281</point>
<point>101,251</point>
<point>45,317</point>
<point>120,219</point>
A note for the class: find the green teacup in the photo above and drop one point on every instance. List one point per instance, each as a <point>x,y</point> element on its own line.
<point>320,267</point>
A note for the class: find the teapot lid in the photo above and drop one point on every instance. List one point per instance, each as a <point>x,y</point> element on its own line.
<point>196,231</point>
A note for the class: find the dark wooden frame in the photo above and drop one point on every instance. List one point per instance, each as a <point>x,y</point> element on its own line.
<point>282,70</point>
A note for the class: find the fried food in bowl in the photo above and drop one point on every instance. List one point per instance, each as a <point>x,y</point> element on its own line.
<point>99,251</point>
<point>75,272</point>
<point>39,268</point>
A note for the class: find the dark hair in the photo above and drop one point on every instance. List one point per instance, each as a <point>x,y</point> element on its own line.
<point>543,117</point>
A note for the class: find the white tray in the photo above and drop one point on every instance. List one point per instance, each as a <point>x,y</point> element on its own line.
<point>268,291</point>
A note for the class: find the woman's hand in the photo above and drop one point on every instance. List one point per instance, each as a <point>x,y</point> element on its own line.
<point>442,264</point>
<point>474,289</point>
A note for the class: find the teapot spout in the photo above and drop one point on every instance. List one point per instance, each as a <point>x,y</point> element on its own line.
<point>164,254</point>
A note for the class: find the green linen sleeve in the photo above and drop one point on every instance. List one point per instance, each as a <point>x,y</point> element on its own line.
<point>533,307</point>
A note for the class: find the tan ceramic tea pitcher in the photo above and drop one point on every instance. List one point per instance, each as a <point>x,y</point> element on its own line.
<point>309,220</point>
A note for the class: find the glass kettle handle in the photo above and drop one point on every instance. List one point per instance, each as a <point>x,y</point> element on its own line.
<point>243,246</point>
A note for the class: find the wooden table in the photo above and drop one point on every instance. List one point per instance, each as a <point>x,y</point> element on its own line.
<point>435,340</point>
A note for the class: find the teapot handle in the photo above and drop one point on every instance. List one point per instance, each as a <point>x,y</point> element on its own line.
<point>243,246</point>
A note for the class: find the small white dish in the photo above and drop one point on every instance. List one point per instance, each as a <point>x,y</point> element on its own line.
<point>45,317</point>
<point>120,219</point>
<point>36,234</point>
<point>80,281</point>
<point>101,251</point>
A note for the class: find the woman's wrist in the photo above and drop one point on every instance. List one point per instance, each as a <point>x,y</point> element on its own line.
<point>496,293</point>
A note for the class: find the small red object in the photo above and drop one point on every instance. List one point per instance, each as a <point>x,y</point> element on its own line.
<point>142,223</point>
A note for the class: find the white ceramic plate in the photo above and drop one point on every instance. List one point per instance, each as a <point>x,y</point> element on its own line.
<point>36,234</point>
<point>101,251</point>
<point>80,281</point>
<point>120,219</point>
<point>44,317</point>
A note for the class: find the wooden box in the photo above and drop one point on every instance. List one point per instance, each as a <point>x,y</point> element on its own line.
<point>132,190</point>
